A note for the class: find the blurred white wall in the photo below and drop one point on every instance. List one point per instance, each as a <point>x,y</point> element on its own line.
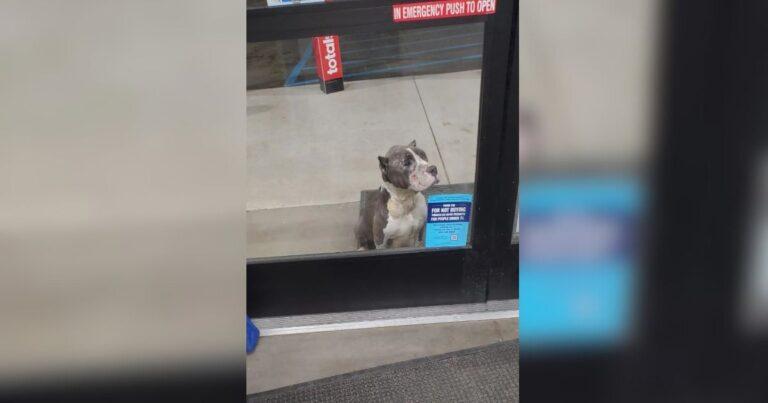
<point>586,77</point>
<point>122,176</point>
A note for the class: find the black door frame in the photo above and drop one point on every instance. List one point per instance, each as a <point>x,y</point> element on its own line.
<point>487,268</point>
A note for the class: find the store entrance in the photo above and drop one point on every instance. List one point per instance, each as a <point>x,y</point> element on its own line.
<point>382,156</point>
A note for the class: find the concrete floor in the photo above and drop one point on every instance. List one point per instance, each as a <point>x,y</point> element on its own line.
<point>289,359</point>
<point>307,148</point>
<point>310,154</point>
<point>301,230</point>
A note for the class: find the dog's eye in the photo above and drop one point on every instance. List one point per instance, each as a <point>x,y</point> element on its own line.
<point>408,162</point>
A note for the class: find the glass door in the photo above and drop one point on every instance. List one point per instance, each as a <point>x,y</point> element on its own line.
<point>381,152</point>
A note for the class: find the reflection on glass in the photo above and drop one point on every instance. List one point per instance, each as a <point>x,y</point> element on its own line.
<point>403,130</point>
<point>281,3</point>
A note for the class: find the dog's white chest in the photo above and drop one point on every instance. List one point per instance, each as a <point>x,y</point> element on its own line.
<point>405,219</point>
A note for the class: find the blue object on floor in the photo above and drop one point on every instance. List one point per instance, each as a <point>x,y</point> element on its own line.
<point>252,335</point>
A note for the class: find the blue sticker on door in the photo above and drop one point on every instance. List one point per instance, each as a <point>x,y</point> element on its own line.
<point>448,220</point>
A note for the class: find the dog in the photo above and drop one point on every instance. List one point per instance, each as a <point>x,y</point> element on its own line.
<point>395,216</point>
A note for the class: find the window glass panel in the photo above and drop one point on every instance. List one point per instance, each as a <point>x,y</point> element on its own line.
<point>313,157</point>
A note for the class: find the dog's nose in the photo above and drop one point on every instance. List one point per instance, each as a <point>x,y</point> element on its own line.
<point>432,170</point>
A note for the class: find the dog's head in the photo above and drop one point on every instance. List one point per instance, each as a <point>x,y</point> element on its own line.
<point>407,168</point>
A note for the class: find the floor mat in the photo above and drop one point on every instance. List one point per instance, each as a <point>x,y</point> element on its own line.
<point>482,374</point>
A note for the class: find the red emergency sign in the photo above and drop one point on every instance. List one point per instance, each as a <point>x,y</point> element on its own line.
<point>432,10</point>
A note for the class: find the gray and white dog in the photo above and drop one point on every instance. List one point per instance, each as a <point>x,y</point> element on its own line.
<point>395,216</point>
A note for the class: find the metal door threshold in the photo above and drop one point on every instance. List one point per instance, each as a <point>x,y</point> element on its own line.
<point>281,325</point>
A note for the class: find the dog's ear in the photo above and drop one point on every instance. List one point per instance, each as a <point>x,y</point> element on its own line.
<point>412,144</point>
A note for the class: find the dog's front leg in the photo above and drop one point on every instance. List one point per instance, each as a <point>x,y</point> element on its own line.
<point>420,236</point>
<point>385,244</point>
<point>413,239</point>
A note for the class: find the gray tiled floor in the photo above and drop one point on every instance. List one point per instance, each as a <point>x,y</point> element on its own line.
<point>285,360</point>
